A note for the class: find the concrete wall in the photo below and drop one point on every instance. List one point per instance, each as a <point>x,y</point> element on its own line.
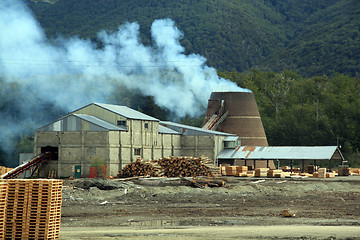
<point>83,149</point>
<point>118,148</point>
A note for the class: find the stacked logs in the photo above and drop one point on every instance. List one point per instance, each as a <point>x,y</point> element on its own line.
<point>167,167</point>
<point>138,168</point>
<point>184,167</point>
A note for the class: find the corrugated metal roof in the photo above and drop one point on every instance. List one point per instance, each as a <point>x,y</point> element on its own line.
<point>231,139</point>
<point>166,130</point>
<point>280,153</point>
<point>126,112</point>
<point>100,122</point>
<point>190,130</point>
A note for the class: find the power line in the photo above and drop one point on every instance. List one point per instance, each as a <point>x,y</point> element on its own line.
<point>161,64</point>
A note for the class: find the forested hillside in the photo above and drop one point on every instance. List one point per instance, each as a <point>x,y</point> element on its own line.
<point>300,58</point>
<point>311,37</point>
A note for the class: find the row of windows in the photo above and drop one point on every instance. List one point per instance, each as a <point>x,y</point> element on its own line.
<point>122,123</point>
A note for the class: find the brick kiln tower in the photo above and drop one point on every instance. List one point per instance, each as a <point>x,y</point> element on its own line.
<point>237,113</point>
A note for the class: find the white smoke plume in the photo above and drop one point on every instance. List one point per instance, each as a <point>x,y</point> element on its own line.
<point>70,73</point>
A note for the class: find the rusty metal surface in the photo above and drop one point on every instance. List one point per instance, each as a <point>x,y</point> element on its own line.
<point>243,116</point>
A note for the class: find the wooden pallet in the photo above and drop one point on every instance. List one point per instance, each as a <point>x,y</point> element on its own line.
<point>34,209</point>
<point>3,201</point>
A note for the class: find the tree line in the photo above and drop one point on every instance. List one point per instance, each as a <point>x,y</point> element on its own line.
<point>316,111</point>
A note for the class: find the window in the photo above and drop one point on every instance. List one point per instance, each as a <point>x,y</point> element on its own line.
<point>229,144</point>
<point>137,151</point>
<point>121,123</point>
<point>146,125</point>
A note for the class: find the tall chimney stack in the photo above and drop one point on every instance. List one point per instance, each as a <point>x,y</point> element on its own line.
<point>237,113</point>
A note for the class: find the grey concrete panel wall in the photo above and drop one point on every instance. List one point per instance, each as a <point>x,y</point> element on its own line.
<point>177,152</point>
<point>190,152</point>
<point>206,141</point>
<point>125,138</point>
<point>147,153</point>
<point>167,152</point>
<point>98,138</point>
<point>113,169</point>
<point>100,158</point>
<point>209,153</point>
<point>114,138</point>
<point>114,155</point>
<point>71,138</point>
<point>189,141</point>
<point>125,155</point>
<point>71,155</point>
<point>157,153</point>
<point>167,140</point>
<point>176,139</point>
<point>46,139</point>
<point>136,132</point>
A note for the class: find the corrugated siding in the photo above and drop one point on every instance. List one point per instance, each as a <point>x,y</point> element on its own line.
<point>314,153</point>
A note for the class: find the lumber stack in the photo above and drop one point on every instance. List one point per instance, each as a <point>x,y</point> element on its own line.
<point>322,173</point>
<point>274,173</point>
<point>33,209</point>
<point>261,172</point>
<point>234,170</point>
<point>3,198</point>
<point>167,167</point>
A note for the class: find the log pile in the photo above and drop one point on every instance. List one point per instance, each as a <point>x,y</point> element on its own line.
<point>169,167</point>
<point>184,167</point>
<point>138,168</point>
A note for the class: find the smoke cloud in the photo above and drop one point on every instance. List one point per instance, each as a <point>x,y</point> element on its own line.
<point>70,73</point>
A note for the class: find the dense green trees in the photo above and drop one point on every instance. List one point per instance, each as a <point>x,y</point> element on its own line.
<point>311,37</point>
<point>307,111</point>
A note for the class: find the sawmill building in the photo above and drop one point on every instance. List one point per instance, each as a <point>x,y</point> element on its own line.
<point>109,136</point>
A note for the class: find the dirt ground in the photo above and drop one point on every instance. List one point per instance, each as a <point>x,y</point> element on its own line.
<point>247,208</point>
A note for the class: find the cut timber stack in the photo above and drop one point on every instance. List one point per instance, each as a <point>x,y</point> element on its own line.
<point>33,209</point>
<point>261,172</point>
<point>237,171</point>
<point>3,198</point>
<point>322,173</point>
<point>274,173</point>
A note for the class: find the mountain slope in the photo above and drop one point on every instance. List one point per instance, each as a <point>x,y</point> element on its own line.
<point>312,37</point>
<point>328,43</point>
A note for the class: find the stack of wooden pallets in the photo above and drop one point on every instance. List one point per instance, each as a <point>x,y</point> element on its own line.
<point>3,198</point>
<point>33,209</point>
<point>15,217</point>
